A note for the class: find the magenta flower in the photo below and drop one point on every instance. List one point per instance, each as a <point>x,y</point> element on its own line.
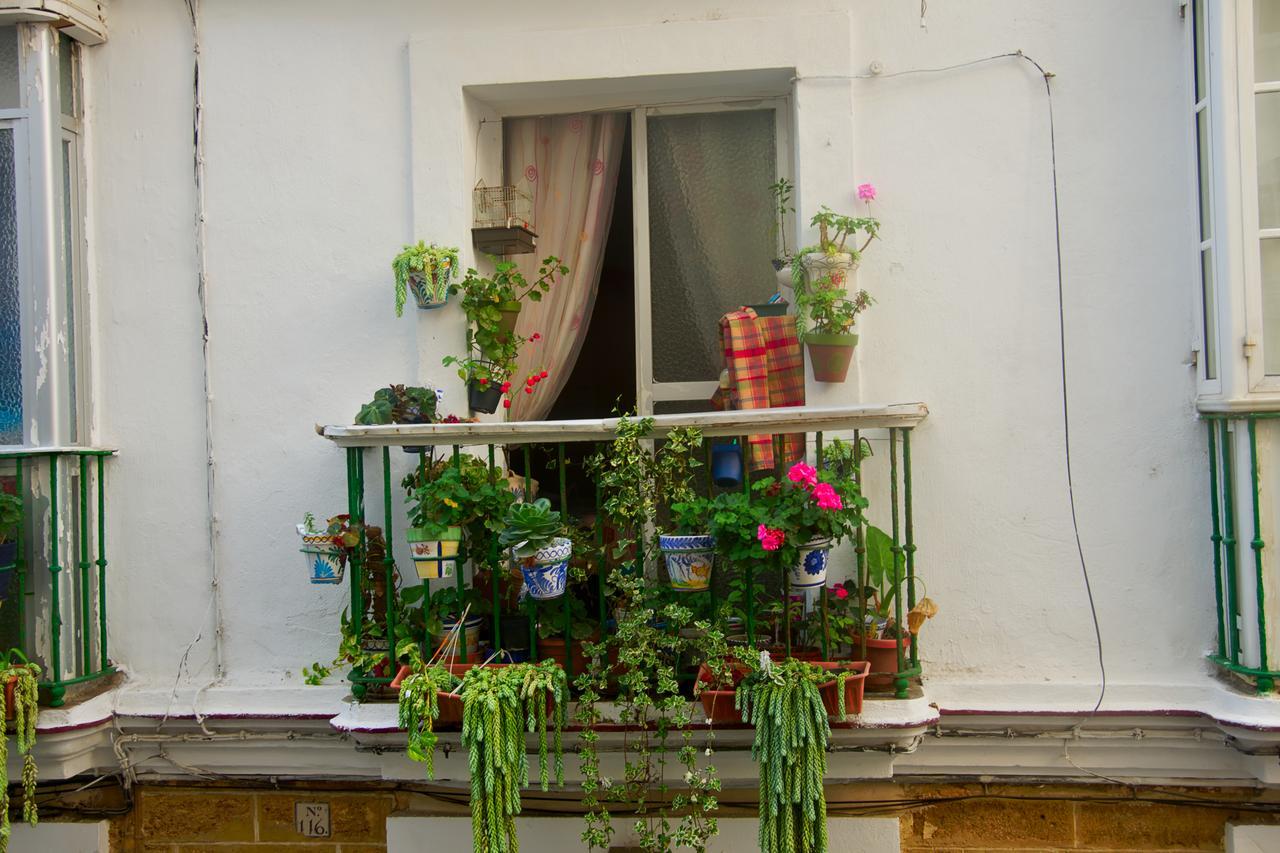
<point>770,540</point>
<point>804,474</point>
<point>827,497</point>
<point>866,192</point>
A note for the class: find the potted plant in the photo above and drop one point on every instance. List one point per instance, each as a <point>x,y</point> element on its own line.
<point>533,536</point>
<point>10,520</point>
<point>401,404</point>
<point>782,206</point>
<point>20,678</point>
<point>451,499</point>
<point>419,709</point>
<point>820,275</point>
<point>427,271</point>
<point>687,544</point>
<point>803,515</point>
<point>582,630</point>
<point>326,551</point>
<point>445,608</point>
<point>492,305</point>
<point>782,700</point>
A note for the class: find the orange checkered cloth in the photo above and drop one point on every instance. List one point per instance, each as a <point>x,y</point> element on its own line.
<point>764,368</point>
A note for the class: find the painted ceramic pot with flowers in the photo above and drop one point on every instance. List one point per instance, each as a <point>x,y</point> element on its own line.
<point>808,511</point>
<point>822,276</point>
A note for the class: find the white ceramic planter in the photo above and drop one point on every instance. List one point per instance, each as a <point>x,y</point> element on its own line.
<point>690,560</point>
<point>810,569</point>
<point>547,576</point>
<point>324,559</point>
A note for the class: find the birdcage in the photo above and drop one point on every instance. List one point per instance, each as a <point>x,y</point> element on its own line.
<point>502,220</point>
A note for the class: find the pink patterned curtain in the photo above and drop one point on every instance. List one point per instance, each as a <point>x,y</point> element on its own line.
<point>569,166</point>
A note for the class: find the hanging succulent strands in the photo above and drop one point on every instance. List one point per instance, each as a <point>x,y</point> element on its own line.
<point>782,701</point>
<point>499,705</point>
<point>15,667</point>
<point>419,709</point>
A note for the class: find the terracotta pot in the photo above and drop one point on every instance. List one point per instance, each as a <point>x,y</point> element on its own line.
<point>830,355</point>
<point>553,649</point>
<point>718,700</point>
<point>451,703</point>
<point>854,686</point>
<point>883,656</point>
<point>779,652</point>
<point>10,696</point>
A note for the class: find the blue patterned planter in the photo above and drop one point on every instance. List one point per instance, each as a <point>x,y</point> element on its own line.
<point>323,558</point>
<point>546,578</point>
<point>811,568</point>
<point>690,560</point>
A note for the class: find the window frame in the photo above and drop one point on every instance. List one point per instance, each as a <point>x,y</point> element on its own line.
<point>51,416</point>
<point>1206,348</point>
<point>648,390</point>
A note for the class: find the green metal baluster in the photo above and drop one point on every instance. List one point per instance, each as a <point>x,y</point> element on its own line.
<point>822,591</point>
<point>910,541</point>
<point>102,568</point>
<point>1216,538</point>
<point>1229,544</point>
<point>389,563</point>
<point>568,616</point>
<point>20,567</point>
<point>533,619</point>
<point>1265,683</point>
<point>82,535</point>
<point>900,682</point>
<point>495,572</point>
<point>459,562</point>
<point>600,555</point>
<point>57,689</point>
<point>711,582</point>
<point>749,569</point>
<point>860,552</point>
<point>778,443</point>
<point>358,687</point>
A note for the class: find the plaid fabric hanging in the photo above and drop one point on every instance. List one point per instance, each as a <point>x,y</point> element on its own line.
<point>764,368</point>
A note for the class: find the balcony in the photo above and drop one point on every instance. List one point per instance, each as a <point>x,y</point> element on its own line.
<point>880,433</point>
<point>56,580</point>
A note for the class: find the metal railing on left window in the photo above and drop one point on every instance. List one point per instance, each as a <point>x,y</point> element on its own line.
<point>53,574</point>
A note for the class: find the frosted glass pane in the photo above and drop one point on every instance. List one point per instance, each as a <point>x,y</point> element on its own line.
<point>1198,21</point>
<point>1202,151</point>
<point>1268,132</point>
<point>68,79</point>
<point>10,305</point>
<point>9,68</point>
<point>1271,305</point>
<point>710,232</point>
<point>1266,40</point>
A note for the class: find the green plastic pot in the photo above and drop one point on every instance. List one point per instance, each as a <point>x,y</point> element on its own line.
<point>830,355</point>
<point>510,313</point>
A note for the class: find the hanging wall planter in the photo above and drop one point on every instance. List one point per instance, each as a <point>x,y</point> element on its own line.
<point>810,569</point>
<point>545,573</point>
<point>429,292</point>
<point>510,313</point>
<point>726,465</point>
<point>830,355</point>
<point>323,557</point>
<point>483,397</point>
<point>434,555</point>
<point>690,560</point>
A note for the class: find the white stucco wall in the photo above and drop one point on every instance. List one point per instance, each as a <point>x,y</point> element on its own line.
<point>326,148</point>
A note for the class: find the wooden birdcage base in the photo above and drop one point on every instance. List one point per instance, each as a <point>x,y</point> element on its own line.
<point>513,240</point>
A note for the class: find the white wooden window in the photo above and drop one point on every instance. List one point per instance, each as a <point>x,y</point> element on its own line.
<point>43,374</point>
<point>701,200</point>
<point>1206,308</point>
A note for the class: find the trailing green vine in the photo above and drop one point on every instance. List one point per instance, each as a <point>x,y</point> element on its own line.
<point>15,667</point>
<point>782,701</point>
<point>419,708</point>
<point>498,705</point>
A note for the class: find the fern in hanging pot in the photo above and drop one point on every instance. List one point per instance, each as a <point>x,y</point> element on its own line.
<point>782,700</point>
<point>20,678</point>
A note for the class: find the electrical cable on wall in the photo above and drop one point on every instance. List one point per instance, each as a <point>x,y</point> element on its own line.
<point>1046,76</point>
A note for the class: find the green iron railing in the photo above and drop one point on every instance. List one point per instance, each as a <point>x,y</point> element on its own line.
<point>893,423</point>
<point>60,566</point>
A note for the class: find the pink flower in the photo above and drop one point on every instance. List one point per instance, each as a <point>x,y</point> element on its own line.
<point>841,592</point>
<point>866,192</point>
<point>804,474</point>
<point>826,497</point>
<point>770,540</point>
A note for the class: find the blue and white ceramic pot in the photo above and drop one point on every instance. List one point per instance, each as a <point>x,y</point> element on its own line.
<point>690,560</point>
<point>434,555</point>
<point>545,577</point>
<point>324,558</point>
<point>810,569</point>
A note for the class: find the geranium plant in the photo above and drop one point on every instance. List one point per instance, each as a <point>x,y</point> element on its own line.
<point>484,299</point>
<point>400,404</point>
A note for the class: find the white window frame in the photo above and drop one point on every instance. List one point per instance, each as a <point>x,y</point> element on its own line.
<point>1205,350</point>
<point>648,390</point>
<point>50,417</point>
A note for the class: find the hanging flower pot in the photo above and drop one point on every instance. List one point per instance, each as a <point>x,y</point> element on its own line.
<point>546,572</point>
<point>483,396</point>
<point>810,569</point>
<point>434,555</point>
<point>430,291</point>
<point>840,266</point>
<point>689,559</point>
<point>324,558</point>
<point>510,312</point>
<point>726,465</point>
<point>830,355</point>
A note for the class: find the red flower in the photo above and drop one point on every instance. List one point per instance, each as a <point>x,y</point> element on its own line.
<point>506,386</point>
<point>536,336</point>
<point>506,404</point>
<point>542,375</point>
<point>529,381</point>
<point>484,381</point>
<point>528,389</point>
